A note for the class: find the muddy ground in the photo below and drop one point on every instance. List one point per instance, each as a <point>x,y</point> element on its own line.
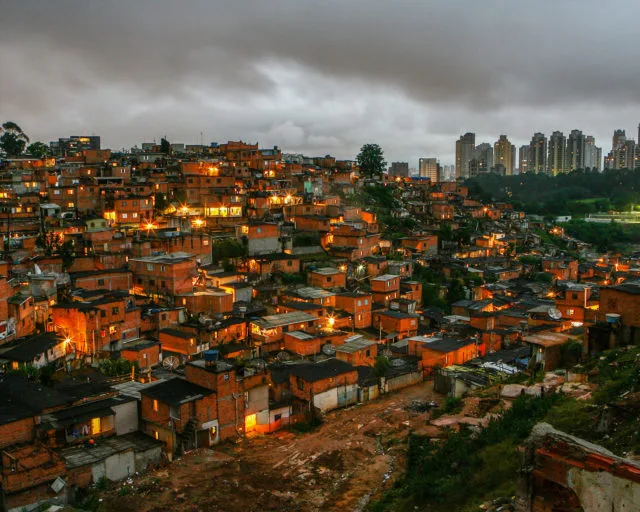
<point>347,461</point>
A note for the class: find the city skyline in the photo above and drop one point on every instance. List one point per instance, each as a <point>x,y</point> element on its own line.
<point>315,78</point>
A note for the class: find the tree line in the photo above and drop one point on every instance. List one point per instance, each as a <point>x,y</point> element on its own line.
<point>579,192</point>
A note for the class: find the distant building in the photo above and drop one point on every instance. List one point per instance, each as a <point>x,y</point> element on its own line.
<point>523,159</point>
<point>399,169</point>
<point>576,147</point>
<point>75,145</point>
<point>481,160</point>
<point>465,146</point>
<point>624,152</point>
<point>592,154</point>
<point>538,153</point>
<point>429,168</point>
<point>504,153</point>
<point>556,159</point>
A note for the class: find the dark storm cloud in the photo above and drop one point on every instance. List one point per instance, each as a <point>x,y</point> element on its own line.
<point>319,76</point>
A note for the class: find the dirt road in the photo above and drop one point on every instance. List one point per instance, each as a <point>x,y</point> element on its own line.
<point>354,455</point>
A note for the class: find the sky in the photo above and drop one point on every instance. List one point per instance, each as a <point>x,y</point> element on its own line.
<point>320,77</point>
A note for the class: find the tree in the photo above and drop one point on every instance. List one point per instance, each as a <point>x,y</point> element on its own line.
<point>165,146</point>
<point>371,160</point>
<point>38,149</point>
<point>13,140</point>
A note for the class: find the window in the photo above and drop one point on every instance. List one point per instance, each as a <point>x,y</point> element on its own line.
<point>123,203</point>
<point>71,205</point>
<point>149,267</point>
<point>368,353</point>
<point>164,317</point>
<point>156,435</point>
<point>134,215</point>
<point>359,303</point>
<point>277,417</point>
<point>328,279</point>
<point>300,383</point>
<point>226,377</point>
<point>152,282</point>
<point>570,312</point>
<point>115,311</point>
<point>123,215</point>
<point>163,268</point>
<point>100,282</point>
<point>366,302</point>
<point>103,313</point>
<point>15,365</point>
<point>574,296</point>
<point>163,284</point>
<point>259,230</point>
<point>155,406</point>
<point>289,263</point>
<point>95,426</point>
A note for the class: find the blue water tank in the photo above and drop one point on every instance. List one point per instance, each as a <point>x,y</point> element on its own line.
<point>210,356</point>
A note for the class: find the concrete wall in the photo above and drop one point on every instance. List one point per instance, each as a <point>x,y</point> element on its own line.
<point>568,473</point>
<point>326,401</point>
<point>126,417</point>
<point>402,381</point>
<point>263,245</point>
<point>258,399</point>
<point>143,459</point>
<point>120,465</point>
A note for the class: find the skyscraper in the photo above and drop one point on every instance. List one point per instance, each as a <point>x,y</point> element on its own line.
<point>624,152</point>
<point>429,168</point>
<point>576,148</point>
<point>481,160</point>
<point>538,153</point>
<point>557,153</point>
<point>523,159</point>
<point>504,154</point>
<point>619,138</point>
<point>464,150</point>
<point>592,154</point>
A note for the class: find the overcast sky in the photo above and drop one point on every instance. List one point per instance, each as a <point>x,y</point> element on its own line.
<point>320,77</point>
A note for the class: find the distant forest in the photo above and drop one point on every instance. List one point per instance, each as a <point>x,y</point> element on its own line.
<point>576,193</point>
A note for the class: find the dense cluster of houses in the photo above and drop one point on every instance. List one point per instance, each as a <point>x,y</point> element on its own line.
<point>237,290</point>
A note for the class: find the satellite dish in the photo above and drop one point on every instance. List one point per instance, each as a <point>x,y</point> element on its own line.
<point>328,349</point>
<point>283,356</point>
<point>554,314</point>
<point>170,363</point>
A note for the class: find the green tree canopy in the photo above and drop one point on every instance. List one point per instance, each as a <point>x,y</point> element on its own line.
<point>371,160</point>
<point>13,140</point>
<point>165,146</point>
<point>38,149</point>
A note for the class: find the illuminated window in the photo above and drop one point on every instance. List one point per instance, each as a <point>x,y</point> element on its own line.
<point>71,205</point>
<point>155,405</point>
<point>95,426</point>
<point>156,435</point>
<point>15,365</point>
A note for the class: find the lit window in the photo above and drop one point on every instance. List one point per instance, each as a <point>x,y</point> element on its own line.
<point>155,406</point>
